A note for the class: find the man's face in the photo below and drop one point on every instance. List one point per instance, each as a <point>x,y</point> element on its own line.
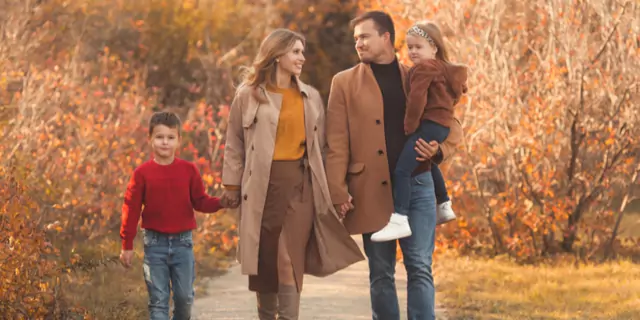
<point>370,45</point>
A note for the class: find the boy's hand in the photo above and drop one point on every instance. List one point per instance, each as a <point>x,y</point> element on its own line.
<point>125,258</point>
<point>230,199</point>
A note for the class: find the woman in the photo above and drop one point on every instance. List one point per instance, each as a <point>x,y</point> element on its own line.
<point>273,168</point>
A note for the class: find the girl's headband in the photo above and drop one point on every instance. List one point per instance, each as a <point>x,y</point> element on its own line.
<point>418,31</point>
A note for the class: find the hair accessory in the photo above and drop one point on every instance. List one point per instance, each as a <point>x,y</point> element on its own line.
<point>418,31</point>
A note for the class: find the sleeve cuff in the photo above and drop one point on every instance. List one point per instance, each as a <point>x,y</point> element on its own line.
<point>232,187</point>
<point>127,245</point>
<point>438,157</point>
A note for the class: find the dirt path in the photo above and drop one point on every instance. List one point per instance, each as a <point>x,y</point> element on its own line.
<point>344,295</point>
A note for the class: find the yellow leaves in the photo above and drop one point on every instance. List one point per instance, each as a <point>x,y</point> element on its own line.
<point>27,266</point>
<point>208,179</point>
<point>529,168</point>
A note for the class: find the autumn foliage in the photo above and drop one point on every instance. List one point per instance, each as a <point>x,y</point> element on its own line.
<point>78,83</point>
<point>551,122</point>
<point>28,276</point>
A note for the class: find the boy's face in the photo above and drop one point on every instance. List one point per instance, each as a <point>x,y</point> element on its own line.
<point>164,141</point>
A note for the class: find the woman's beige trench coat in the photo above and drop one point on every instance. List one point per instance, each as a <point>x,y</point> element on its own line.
<point>249,148</point>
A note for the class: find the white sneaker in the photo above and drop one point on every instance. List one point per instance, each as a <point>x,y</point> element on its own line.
<point>398,227</point>
<point>444,213</point>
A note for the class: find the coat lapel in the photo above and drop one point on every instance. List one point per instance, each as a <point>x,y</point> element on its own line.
<point>311,113</point>
<point>370,90</point>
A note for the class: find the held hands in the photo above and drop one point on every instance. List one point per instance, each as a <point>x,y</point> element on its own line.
<point>230,199</point>
<point>125,258</point>
<point>344,208</point>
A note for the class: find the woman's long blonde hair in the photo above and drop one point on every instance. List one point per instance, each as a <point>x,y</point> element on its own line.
<point>263,70</point>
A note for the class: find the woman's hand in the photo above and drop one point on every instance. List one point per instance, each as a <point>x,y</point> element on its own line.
<point>425,150</point>
<point>230,198</point>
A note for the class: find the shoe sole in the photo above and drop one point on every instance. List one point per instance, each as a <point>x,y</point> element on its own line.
<point>404,235</point>
<point>445,220</point>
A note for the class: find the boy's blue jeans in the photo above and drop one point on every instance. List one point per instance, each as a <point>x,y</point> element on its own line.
<point>169,265</point>
<point>407,163</point>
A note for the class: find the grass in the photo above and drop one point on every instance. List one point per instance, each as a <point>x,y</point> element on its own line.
<point>108,292</point>
<point>477,288</point>
<point>112,292</point>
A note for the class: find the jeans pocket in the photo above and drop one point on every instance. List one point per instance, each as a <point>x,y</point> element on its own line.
<point>424,179</point>
<point>149,239</point>
<point>186,241</point>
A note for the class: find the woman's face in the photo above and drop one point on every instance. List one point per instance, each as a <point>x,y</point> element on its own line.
<point>292,61</point>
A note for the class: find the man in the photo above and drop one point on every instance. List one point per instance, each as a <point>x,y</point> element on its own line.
<point>365,135</point>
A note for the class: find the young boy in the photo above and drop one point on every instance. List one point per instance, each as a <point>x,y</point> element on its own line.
<point>170,190</point>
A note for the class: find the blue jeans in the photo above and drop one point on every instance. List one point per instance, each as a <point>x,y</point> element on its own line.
<point>407,163</point>
<point>169,265</point>
<point>417,251</point>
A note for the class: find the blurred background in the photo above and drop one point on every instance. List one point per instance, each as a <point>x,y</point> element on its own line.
<point>545,185</point>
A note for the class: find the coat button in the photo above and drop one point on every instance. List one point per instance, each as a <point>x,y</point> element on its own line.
<point>384,183</point>
<point>378,121</point>
<point>255,120</point>
<point>245,197</point>
<point>252,147</point>
<point>315,128</point>
<point>380,152</point>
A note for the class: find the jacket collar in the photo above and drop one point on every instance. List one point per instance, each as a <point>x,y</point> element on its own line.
<point>303,87</point>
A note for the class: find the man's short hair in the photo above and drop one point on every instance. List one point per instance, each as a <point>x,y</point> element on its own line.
<point>382,20</point>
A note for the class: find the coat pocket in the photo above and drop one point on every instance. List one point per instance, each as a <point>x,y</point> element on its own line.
<point>355,168</point>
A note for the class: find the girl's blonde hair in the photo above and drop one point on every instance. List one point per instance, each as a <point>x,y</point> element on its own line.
<point>263,70</point>
<point>434,35</point>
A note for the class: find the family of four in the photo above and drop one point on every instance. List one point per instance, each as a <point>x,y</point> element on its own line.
<point>306,177</point>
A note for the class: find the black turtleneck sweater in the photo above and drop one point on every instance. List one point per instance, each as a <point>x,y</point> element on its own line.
<point>389,80</point>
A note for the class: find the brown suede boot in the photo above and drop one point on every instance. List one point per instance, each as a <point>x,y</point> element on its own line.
<point>288,303</point>
<point>267,306</point>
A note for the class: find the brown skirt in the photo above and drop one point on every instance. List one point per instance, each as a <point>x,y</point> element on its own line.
<point>287,220</point>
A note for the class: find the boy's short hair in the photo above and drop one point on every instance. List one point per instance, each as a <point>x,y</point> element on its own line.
<point>382,20</point>
<point>165,118</point>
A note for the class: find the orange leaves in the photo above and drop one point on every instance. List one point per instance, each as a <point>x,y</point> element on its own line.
<point>26,270</point>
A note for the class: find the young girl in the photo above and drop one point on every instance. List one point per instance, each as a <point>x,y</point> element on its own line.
<point>435,87</point>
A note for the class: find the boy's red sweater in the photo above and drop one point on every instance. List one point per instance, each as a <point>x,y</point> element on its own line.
<point>169,193</point>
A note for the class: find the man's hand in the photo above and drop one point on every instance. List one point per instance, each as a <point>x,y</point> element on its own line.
<point>125,258</point>
<point>426,150</point>
<point>344,208</point>
<point>230,199</point>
